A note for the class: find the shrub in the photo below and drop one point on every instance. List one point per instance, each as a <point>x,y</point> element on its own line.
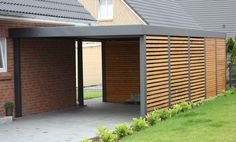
<point>164,114</point>
<point>105,135</point>
<point>229,92</point>
<point>175,110</point>
<point>123,130</point>
<point>153,118</point>
<point>139,124</point>
<point>185,106</point>
<point>86,140</point>
<point>9,105</point>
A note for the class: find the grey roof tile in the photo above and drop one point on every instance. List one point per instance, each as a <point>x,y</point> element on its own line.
<point>216,15</point>
<point>66,10</point>
<point>166,13</point>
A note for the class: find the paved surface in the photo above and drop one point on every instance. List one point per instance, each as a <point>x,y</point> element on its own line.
<point>70,125</point>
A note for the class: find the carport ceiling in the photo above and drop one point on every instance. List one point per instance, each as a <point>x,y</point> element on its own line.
<point>100,32</point>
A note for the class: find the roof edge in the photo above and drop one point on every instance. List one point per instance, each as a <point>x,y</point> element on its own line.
<point>110,32</point>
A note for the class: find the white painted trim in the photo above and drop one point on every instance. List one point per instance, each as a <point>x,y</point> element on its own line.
<point>41,21</point>
<point>4,47</point>
<point>134,12</point>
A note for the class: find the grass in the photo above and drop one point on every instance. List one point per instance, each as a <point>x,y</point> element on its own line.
<point>214,121</point>
<point>92,94</point>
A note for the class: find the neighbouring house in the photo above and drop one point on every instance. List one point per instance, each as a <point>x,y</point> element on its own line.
<point>163,60</point>
<point>48,73</point>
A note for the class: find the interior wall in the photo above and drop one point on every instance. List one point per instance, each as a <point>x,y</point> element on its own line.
<point>122,69</point>
<point>48,75</point>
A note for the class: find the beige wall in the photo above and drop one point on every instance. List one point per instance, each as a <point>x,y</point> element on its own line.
<point>92,64</point>
<point>122,15</point>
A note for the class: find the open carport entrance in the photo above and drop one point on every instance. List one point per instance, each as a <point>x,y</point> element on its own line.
<point>120,71</point>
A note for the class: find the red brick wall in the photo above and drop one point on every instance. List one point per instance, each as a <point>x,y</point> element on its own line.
<point>7,79</point>
<point>48,74</point>
<point>122,69</point>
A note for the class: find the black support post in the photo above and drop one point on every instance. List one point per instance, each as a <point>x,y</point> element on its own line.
<point>143,86</point>
<point>189,70</point>
<point>80,73</point>
<point>17,77</point>
<point>169,70</point>
<point>104,96</point>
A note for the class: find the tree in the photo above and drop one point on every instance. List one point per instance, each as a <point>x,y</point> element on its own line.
<point>231,50</point>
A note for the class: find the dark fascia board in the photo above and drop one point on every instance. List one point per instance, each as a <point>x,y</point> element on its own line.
<point>110,32</point>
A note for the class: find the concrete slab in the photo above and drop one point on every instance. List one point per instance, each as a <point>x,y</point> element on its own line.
<point>70,125</point>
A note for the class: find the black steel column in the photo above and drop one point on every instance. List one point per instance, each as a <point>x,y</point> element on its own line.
<point>189,70</point>
<point>216,67</point>
<point>104,89</point>
<point>17,77</point>
<point>169,70</point>
<point>205,69</point>
<point>80,73</point>
<point>143,86</point>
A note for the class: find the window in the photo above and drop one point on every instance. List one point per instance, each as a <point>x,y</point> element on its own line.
<point>3,55</point>
<point>105,9</point>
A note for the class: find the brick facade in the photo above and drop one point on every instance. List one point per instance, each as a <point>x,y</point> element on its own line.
<point>54,60</point>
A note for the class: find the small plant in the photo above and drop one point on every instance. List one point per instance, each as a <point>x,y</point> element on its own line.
<point>123,130</point>
<point>185,106</point>
<point>153,118</point>
<point>9,108</point>
<point>139,124</point>
<point>105,135</point>
<point>86,140</point>
<point>8,105</point>
<point>229,92</point>
<point>175,110</point>
<point>164,114</point>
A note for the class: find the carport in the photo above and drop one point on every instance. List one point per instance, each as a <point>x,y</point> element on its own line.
<point>164,65</point>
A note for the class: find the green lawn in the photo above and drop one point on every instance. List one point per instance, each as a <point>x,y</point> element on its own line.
<point>92,94</point>
<point>214,121</point>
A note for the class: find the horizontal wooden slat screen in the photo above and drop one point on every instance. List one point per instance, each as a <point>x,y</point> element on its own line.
<point>179,70</point>
<point>175,70</point>
<point>197,69</point>
<point>221,65</point>
<point>157,72</point>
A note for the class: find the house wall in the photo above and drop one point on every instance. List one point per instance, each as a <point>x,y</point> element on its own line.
<point>7,79</point>
<point>176,70</point>
<point>122,69</point>
<point>47,74</point>
<point>92,69</point>
<point>122,15</point>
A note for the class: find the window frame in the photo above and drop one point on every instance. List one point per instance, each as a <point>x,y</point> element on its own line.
<point>100,17</point>
<point>3,42</point>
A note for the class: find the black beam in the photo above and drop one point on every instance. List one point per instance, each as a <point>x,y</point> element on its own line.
<point>104,89</point>
<point>17,77</point>
<point>110,32</point>
<point>80,73</point>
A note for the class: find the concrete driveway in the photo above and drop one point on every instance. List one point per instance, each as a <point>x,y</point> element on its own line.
<point>71,125</point>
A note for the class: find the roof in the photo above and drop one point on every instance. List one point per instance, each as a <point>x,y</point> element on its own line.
<point>63,10</point>
<point>216,15</point>
<point>100,32</point>
<point>166,13</point>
